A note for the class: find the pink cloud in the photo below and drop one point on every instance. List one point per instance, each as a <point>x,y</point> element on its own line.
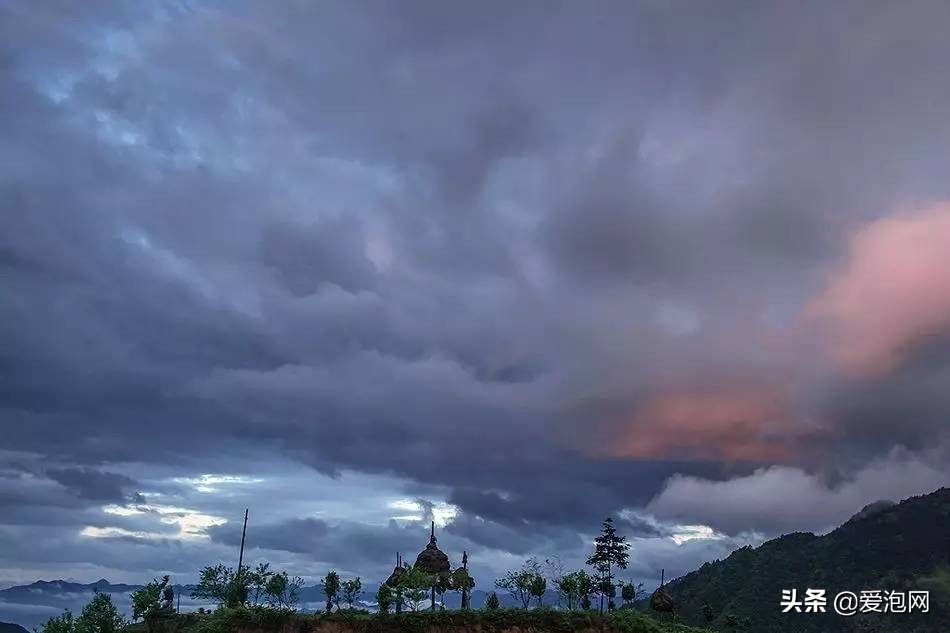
<point>893,291</point>
<point>734,425</point>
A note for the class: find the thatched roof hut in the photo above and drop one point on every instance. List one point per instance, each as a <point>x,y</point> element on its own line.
<point>398,572</point>
<point>661,600</point>
<point>432,560</point>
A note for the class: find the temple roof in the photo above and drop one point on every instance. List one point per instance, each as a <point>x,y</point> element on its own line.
<point>433,560</point>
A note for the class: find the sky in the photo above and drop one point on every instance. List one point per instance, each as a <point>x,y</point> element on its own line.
<point>511,267</point>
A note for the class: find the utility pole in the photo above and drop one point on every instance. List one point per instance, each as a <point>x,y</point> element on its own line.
<point>243,534</point>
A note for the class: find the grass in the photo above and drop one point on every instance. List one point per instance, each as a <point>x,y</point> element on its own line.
<point>494,621</point>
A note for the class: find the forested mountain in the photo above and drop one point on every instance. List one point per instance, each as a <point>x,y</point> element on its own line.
<point>885,547</point>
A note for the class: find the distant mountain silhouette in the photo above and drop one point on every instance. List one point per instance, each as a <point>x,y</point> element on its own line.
<point>884,547</point>
<point>9,627</point>
<point>33,604</point>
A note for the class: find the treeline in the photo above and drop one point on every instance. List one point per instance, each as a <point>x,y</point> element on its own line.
<point>261,587</point>
<point>265,590</point>
<point>98,616</point>
<point>150,603</point>
<point>255,587</point>
<point>574,590</point>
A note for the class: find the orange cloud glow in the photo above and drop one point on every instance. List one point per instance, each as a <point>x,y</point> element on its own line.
<point>893,291</point>
<point>737,425</point>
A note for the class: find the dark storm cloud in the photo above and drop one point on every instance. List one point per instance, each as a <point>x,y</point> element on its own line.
<point>306,256</point>
<point>583,488</point>
<point>909,407</point>
<point>31,494</point>
<point>347,545</point>
<point>88,483</point>
<point>526,541</point>
<point>611,227</point>
<point>22,494</point>
<point>460,245</point>
<point>295,535</point>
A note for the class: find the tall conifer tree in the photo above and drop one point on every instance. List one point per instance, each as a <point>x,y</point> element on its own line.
<point>610,552</point>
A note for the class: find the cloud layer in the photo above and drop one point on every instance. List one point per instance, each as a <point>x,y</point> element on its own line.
<point>536,264</point>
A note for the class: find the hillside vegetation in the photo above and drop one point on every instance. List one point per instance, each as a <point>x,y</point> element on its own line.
<point>894,548</point>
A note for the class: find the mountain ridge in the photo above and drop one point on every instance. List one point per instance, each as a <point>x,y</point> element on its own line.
<point>899,547</point>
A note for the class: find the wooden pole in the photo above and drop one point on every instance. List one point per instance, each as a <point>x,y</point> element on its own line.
<point>465,588</point>
<point>434,578</point>
<point>398,590</point>
<point>243,534</point>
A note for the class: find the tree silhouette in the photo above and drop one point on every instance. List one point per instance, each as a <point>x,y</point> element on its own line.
<point>153,601</point>
<point>538,586</point>
<point>331,588</point>
<point>519,583</point>
<point>384,598</point>
<point>610,551</point>
<point>100,616</point>
<point>352,590</point>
